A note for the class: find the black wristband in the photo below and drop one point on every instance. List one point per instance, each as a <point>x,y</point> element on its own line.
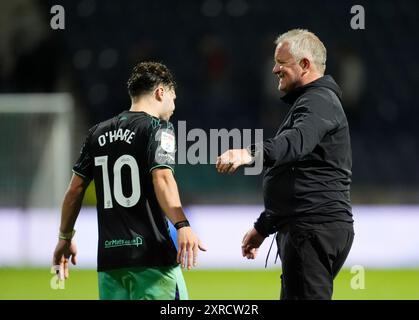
<point>181,224</point>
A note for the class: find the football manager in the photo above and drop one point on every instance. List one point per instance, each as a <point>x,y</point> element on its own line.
<point>307,176</point>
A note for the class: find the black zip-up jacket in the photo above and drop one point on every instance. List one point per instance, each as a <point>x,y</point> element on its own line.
<point>308,162</point>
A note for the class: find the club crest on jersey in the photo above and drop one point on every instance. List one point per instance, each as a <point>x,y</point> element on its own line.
<point>167,142</point>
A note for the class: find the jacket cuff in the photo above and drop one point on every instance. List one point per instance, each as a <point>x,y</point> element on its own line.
<point>264,225</point>
<point>256,151</point>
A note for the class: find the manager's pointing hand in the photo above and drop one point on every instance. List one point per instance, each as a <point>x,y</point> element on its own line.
<point>230,160</point>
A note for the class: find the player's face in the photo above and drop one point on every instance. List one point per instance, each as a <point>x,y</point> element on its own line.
<point>169,103</point>
<point>286,68</point>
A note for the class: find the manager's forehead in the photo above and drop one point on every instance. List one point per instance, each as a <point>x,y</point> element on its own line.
<point>282,48</point>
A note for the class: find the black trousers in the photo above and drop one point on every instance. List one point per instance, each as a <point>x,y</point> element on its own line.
<point>312,255</point>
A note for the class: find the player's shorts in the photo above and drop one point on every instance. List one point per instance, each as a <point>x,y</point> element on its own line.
<point>162,283</point>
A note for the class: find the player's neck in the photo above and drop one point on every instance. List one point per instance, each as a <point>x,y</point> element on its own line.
<point>144,106</point>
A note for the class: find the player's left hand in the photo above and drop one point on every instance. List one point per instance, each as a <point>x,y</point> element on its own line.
<point>230,160</point>
<point>188,245</point>
<point>64,250</point>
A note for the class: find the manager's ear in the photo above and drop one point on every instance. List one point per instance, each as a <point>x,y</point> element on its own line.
<point>305,64</point>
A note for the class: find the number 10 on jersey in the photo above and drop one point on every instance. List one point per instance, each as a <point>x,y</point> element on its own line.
<point>119,196</point>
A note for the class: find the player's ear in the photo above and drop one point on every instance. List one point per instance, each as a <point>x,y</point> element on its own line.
<point>158,93</point>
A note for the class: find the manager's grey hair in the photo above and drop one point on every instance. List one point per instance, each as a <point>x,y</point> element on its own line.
<point>305,44</point>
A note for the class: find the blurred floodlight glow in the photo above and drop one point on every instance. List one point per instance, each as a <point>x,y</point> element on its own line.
<point>82,58</point>
<point>237,8</point>
<point>108,58</point>
<point>86,8</point>
<point>98,93</point>
<point>211,8</point>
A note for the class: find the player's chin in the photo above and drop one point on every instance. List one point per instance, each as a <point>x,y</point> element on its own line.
<point>167,116</point>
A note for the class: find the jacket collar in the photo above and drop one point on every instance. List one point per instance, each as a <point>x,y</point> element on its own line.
<point>292,96</point>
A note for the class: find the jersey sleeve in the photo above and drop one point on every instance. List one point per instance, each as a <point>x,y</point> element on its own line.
<point>84,165</point>
<point>161,150</point>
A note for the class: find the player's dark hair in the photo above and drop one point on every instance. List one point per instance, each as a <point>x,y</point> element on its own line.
<point>146,76</point>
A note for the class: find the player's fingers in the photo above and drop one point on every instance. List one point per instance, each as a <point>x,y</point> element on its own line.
<point>179,253</point>
<point>190,256</point>
<point>61,275</point>
<point>74,259</point>
<point>183,256</point>
<point>60,269</point>
<point>195,255</point>
<point>56,269</point>
<point>66,273</point>
<point>178,256</point>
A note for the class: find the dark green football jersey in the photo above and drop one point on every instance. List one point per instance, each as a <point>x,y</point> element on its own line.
<point>119,155</point>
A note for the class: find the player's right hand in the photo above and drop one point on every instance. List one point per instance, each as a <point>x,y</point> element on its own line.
<point>188,245</point>
<point>64,250</point>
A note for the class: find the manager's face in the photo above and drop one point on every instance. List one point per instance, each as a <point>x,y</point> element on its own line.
<point>286,68</point>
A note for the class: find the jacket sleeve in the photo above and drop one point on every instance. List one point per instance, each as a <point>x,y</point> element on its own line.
<point>266,223</point>
<point>313,117</point>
